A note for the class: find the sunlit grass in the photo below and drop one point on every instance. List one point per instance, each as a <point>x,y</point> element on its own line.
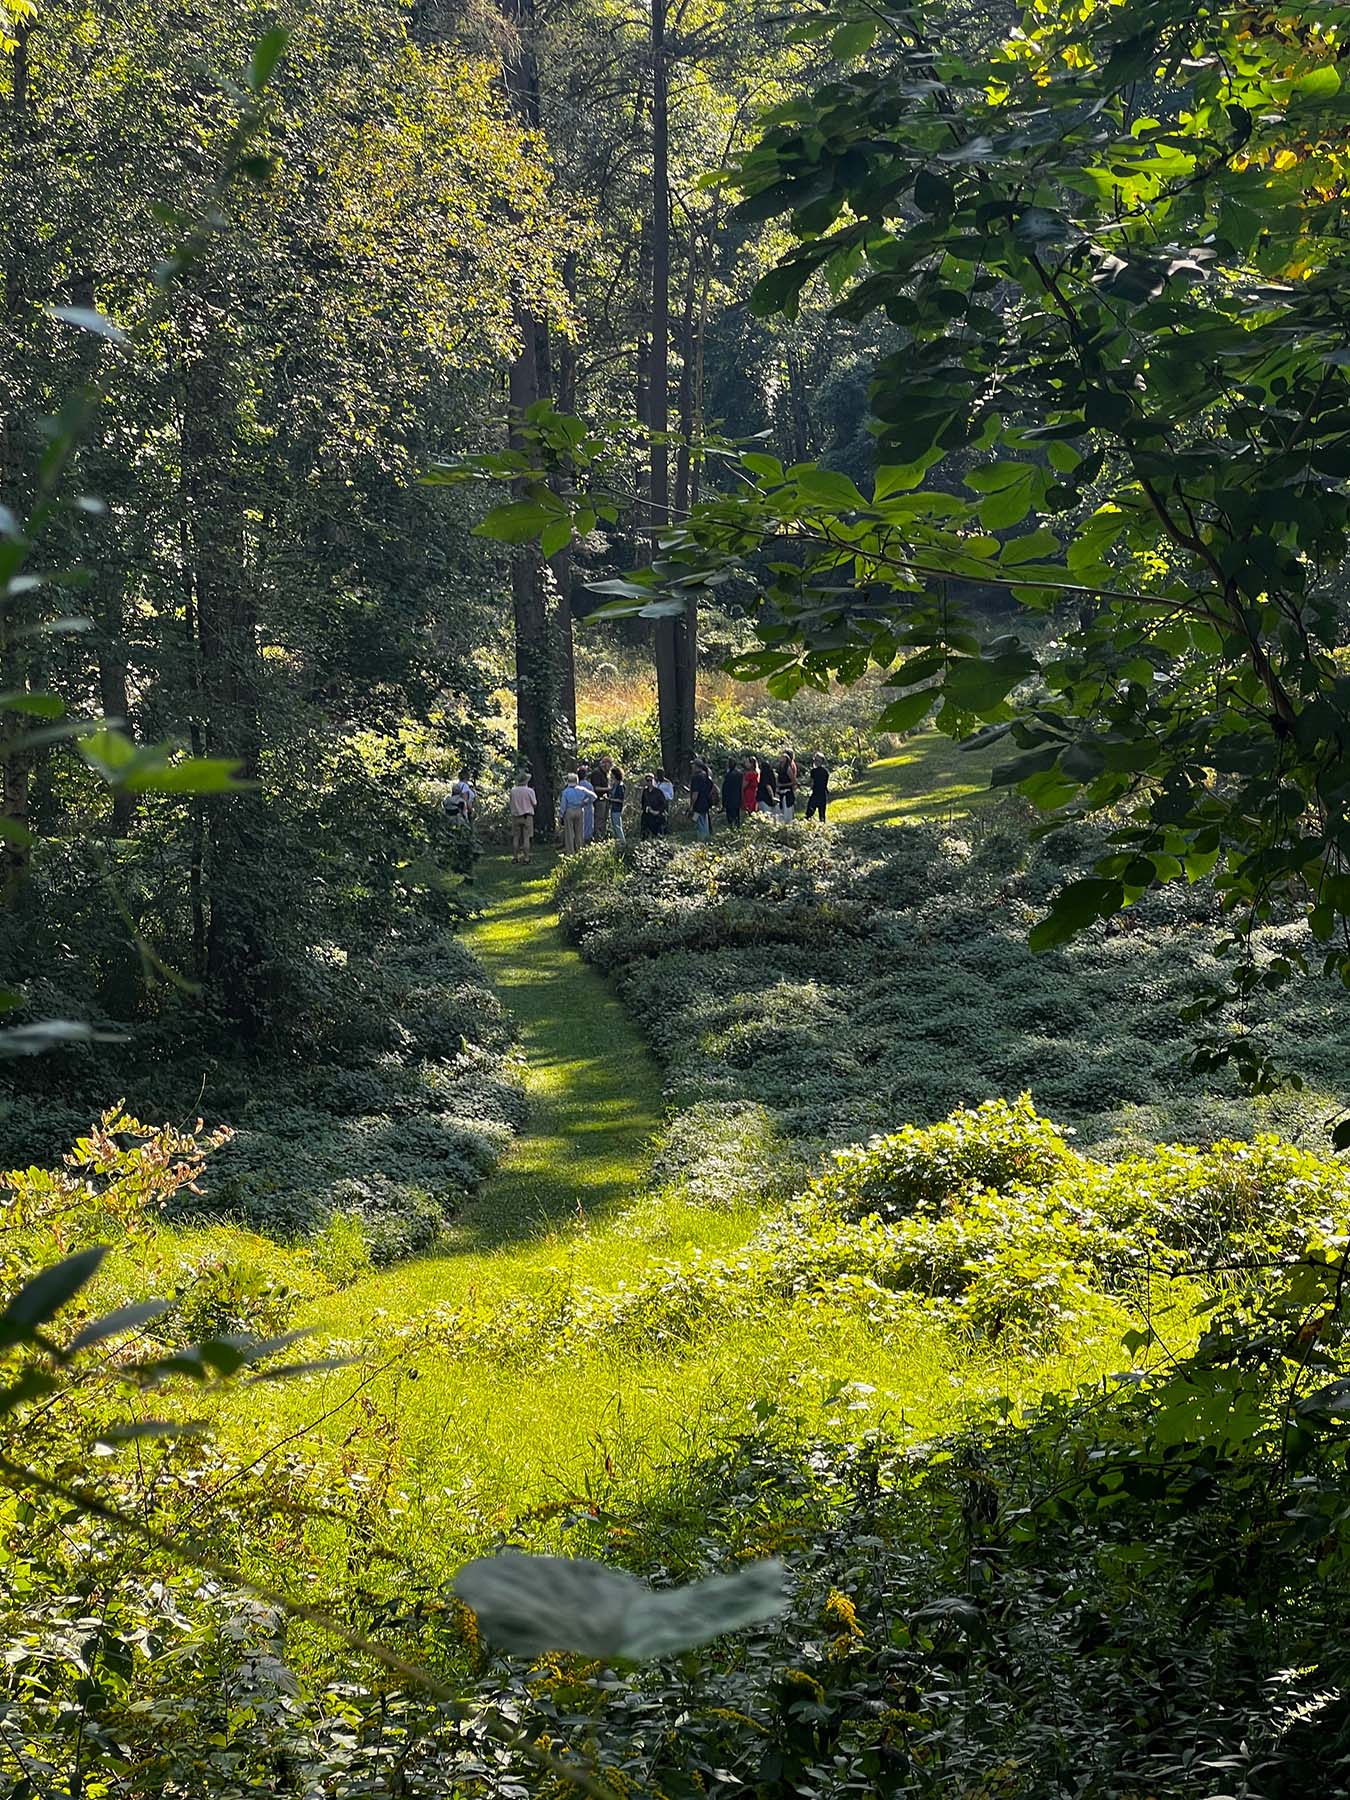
<point>931,778</point>
<point>475,1445</point>
<point>474,1442</point>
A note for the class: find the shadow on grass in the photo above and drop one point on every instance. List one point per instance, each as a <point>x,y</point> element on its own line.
<point>931,778</point>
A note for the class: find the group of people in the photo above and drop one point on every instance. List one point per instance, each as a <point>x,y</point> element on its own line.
<point>756,785</point>
<point>594,796</point>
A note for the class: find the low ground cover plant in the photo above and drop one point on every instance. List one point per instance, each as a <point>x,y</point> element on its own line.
<point>390,1118</point>
<point>845,979</point>
<point>989,1224</point>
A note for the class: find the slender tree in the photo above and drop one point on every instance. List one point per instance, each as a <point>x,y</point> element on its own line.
<point>538,684</point>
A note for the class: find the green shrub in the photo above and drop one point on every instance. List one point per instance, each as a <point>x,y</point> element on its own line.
<point>849,978</point>
<point>996,1145</point>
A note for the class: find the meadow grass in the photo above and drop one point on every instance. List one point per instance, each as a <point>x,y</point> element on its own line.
<point>476,1441</point>
<point>930,778</point>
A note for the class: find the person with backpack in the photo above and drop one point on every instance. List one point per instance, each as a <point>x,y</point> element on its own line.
<point>820,788</point>
<point>732,790</point>
<point>576,797</point>
<point>459,804</point>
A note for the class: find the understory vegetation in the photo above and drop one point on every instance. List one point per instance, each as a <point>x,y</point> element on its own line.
<point>805,989</point>
<point>797,1311</point>
<point>372,1117</point>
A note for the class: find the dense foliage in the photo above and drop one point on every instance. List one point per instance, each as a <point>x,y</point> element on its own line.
<point>386,1106</point>
<point>1062,306</point>
<point>847,979</point>
<point>271,583</point>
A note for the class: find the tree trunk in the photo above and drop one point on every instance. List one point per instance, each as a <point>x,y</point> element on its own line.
<point>536,682</point>
<point>237,851</point>
<point>798,427</point>
<point>537,697</point>
<point>197,840</point>
<point>15,764</point>
<point>114,693</point>
<point>674,659</point>
<point>684,448</point>
<point>566,398</point>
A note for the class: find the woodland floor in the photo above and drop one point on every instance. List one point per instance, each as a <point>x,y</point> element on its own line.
<point>488,1436</point>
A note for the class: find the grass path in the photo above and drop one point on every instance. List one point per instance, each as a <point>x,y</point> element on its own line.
<point>594,1091</point>
<point>595,1102</point>
<point>931,778</point>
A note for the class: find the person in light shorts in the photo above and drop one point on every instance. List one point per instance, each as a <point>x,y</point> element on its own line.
<point>523,803</point>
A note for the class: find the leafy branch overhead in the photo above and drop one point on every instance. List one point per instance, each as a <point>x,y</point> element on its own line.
<point>1113,245</point>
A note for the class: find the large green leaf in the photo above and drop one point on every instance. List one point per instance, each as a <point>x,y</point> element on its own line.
<point>904,714</point>
<point>980,684</point>
<point>40,1299</point>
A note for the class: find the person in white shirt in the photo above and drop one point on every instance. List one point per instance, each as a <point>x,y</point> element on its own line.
<point>523,803</point>
<point>459,803</point>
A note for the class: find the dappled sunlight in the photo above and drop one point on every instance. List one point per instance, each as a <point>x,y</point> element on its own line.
<point>931,778</point>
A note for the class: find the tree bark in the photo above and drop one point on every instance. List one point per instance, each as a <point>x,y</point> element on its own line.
<point>674,646</point>
<point>114,690</point>
<point>566,397</point>
<point>683,449</point>
<point>537,686</point>
<point>536,680</point>
<point>15,764</point>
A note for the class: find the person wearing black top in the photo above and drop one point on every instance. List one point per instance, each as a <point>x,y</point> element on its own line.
<point>820,788</point>
<point>768,788</point>
<point>732,788</point>
<point>654,808</point>
<point>701,798</point>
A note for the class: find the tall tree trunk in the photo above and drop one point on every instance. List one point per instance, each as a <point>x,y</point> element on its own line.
<point>700,360</point>
<point>537,697</point>
<point>15,765</point>
<point>798,428</point>
<point>566,398</point>
<point>674,654</point>
<point>536,675</point>
<point>237,851</point>
<point>197,842</point>
<point>684,448</point>
<point>642,374</point>
<point>114,691</point>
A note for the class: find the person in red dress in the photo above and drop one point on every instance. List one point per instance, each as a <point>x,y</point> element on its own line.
<point>750,786</point>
